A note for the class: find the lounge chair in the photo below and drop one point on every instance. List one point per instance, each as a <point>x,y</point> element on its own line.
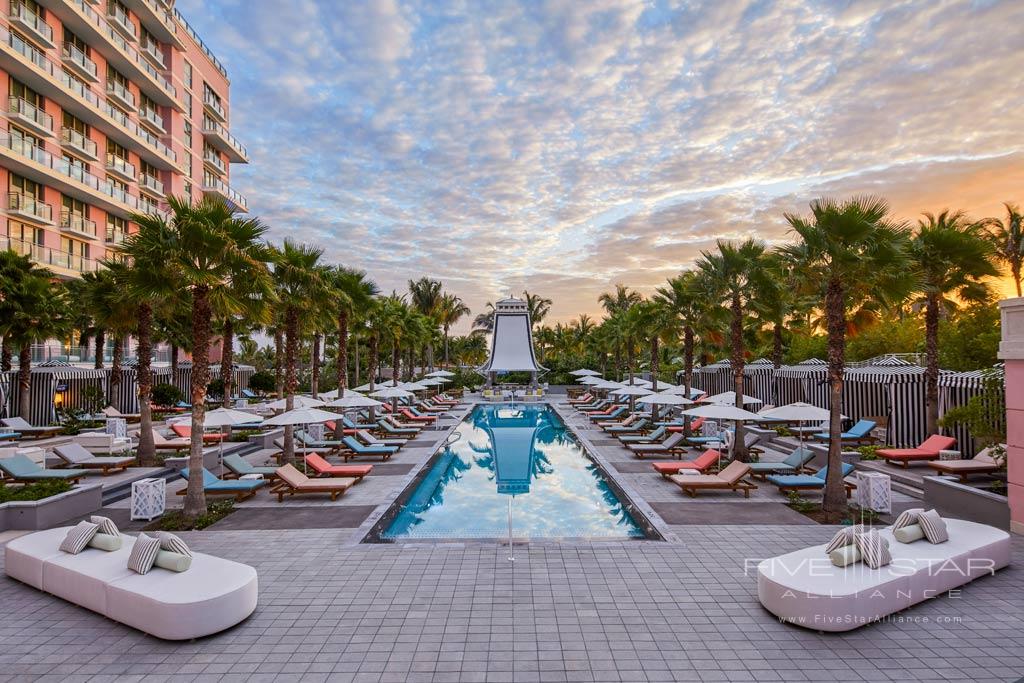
<point>101,443</point>
<point>425,405</point>
<point>308,442</point>
<point>350,424</point>
<point>807,430</point>
<point>184,431</point>
<point>604,406</point>
<point>651,437</point>
<point>326,469</point>
<point>809,482</point>
<point>608,416</point>
<point>19,425</point>
<point>212,486</point>
<point>581,400</point>
<point>76,455</point>
<point>621,421</point>
<point>928,450</point>
<point>111,411</point>
<point>371,440</point>
<point>239,467</point>
<point>9,436</point>
<point>982,463</point>
<point>395,422</point>
<point>162,443</point>
<point>290,481</point>
<point>388,428</point>
<point>673,444</point>
<point>249,394</point>
<point>356,449</point>
<point>20,468</point>
<point>299,448</point>
<point>793,464</point>
<point>637,426</point>
<point>409,415</point>
<point>858,433</point>
<point>701,463</point>
<point>695,426</point>
<point>729,479</point>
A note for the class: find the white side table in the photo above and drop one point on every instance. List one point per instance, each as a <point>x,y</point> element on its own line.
<point>874,491</point>
<point>149,498</point>
<point>255,475</point>
<point>949,455</point>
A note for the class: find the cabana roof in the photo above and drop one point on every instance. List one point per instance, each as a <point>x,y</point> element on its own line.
<point>512,339</point>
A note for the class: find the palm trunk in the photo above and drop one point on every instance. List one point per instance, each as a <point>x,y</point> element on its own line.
<point>279,362</point>
<point>101,342</point>
<point>342,369</point>
<point>356,374</point>
<point>396,356</point>
<point>777,345</point>
<point>834,500</point>
<point>314,374</point>
<point>687,371</point>
<point>147,451</point>
<point>931,373</point>
<point>174,360</point>
<point>1015,271</point>
<point>739,447</point>
<point>446,363</point>
<point>5,356</point>
<point>25,382</point>
<point>202,319</point>
<point>430,356</point>
<point>291,356</point>
<point>116,361</point>
<point>227,360</point>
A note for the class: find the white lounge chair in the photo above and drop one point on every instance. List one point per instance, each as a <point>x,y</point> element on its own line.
<point>99,442</point>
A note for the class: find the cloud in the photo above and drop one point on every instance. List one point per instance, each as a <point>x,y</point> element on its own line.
<point>563,146</point>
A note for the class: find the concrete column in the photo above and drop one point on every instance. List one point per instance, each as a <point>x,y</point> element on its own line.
<point>1011,351</point>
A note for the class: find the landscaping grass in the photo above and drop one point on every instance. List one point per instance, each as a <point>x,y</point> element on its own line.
<point>36,491</point>
<point>812,510</point>
<point>176,521</point>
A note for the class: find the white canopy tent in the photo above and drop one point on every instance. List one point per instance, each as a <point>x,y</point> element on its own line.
<point>511,342</point>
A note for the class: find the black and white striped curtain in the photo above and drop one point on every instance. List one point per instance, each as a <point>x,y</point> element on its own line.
<point>126,396</point>
<point>894,394</point>
<point>955,390</point>
<point>45,379</point>
<point>759,380</point>
<point>805,382</point>
<point>714,378</point>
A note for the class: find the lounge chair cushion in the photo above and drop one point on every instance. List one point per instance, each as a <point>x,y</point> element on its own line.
<point>212,483</point>
<point>933,526</point>
<point>173,544</point>
<point>105,542</point>
<point>78,537</point>
<point>171,561</point>
<point>908,534</point>
<point>844,555</point>
<point>106,525</point>
<point>143,554</point>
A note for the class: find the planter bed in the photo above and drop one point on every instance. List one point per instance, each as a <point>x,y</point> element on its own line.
<point>51,511</point>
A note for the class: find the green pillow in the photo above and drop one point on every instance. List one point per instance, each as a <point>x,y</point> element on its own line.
<point>175,562</point>
<point>848,554</point>
<point>105,542</point>
<point>908,534</point>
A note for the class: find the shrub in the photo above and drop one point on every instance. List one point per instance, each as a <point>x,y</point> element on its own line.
<point>262,382</point>
<point>36,491</point>
<point>215,389</point>
<point>166,395</point>
<point>868,452</point>
<point>176,521</point>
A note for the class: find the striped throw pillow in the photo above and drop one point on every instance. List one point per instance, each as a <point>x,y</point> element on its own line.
<point>933,526</point>
<point>844,536</point>
<point>106,525</point>
<point>874,549</point>
<point>78,537</point>
<point>143,554</point>
<point>907,517</point>
<point>173,544</point>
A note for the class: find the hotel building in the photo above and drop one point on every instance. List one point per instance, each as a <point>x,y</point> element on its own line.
<point>111,105</point>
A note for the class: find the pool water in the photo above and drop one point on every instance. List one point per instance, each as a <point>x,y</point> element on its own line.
<point>518,451</point>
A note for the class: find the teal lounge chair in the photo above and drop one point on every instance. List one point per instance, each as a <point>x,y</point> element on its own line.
<point>21,468</point>
<point>329,445</point>
<point>858,433</point>
<point>240,467</point>
<point>356,449</point>
<point>345,420</point>
<point>212,486</point>
<point>9,436</point>
<point>809,482</point>
<point>613,415</point>
<point>18,424</point>
<point>637,426</point>
<point>653,437</point>
<point>791,465</point>
<point>389,428</point>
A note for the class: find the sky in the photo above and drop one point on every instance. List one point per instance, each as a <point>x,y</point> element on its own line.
<point>562,146</point>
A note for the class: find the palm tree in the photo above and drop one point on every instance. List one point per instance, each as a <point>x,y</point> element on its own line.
<point>425,296</point>
<point>537,306</point>
<point>353,292</point>
<point>688,294</point>
<point>450,311</point>
<point>1008,235</point>
<point>484,322</point>
<point>775,305</point>
<point>300,278</point>
<point>205,249</point>
<point>953,259</point>
<point>850,251</point>
<point>113,312</point>
<point>735,273</point>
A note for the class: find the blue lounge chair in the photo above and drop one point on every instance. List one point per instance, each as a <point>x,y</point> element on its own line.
<point>791,465</point>
<point>9,436</point>
<point>345,420</point>
<point>329,445</point>
<point>858,433</point>
<point>618,412</point>
<point>212,486</point>
<point>357,449</point>
<point>240,467</point>
<point>389,428</point>
<point>21,468</point>
<point>809,482</point>
<point>246,393</point>
<point>653,437</point>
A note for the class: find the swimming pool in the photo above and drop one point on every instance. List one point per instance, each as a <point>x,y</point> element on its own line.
<point>519,451</point>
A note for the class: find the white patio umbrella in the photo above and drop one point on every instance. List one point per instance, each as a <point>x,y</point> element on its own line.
<point>377,385</point>
<point>637,382</point>
<point>717,411</point>
<point>298,402</point>
<point>797,412</point>
<point>394,393</point>
<point>589,380</point>
<point>681,390</point>
<point>728,398</point>
<point>303,417</point>
<point>354,400</point>
<point>226,417</point>
<point>584,372</point>
<point>607,384</point>
<point>632,392</point>
<point>441,373</point>
<point>414,386</point>
<point>664,399</point>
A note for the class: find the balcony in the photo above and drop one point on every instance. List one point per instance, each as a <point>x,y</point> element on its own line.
<point>77,61</point>
<point>115,237</point>
<point>31,23</point>
<point>120,167</point>
<point>120,94</point>
<point>78,143</point>
<point>152,118</point>
<point>29,115</point>
<point>216,187</point>
<point>218,135</point>
<point>151,184</point>
<point>213,105</point>
<point>214,161</point>
<point>157,16</point>
<point>30,208</point>
<point>77,223</point>
<point>119,19</point>
<point>64,263</point>
<point>152,50</point>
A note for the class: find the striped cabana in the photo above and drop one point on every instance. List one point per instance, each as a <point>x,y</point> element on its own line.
<point>240,377</point>
<point>956,389</point>
<point>806,381</point>
<point>46,379</point>
<point>893,390</point>
<point>125,397</point>
<point>758,380</point>
<point>182,379</point>
<point>714,378</point>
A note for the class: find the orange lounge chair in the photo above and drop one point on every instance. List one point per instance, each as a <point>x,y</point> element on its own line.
<point>409,415</point>
<point>695,426</point>
<point>729,479</point>
<point>290,481</point>
<point>700,463</point>
<point>326,469</point>
<point>185,431</point>
<point>929,450</point>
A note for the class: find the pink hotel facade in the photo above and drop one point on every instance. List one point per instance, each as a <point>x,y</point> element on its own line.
<point>111,105</point>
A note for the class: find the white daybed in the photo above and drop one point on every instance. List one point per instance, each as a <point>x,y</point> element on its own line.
<point>212,595</point>
<point>806,589</point>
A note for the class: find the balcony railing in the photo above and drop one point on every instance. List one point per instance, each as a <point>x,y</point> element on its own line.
<point>76,222</point>
<point>49,257</point>
<point>224,191</point>
<point>163,13</point>
<point>202,46</point>
<point>150,183</point>
<point>70,137</point>
<point>152,117</point>
<point>115,236</point>
<point>116,164</point>
<point>30,114</point>
<point>213,104</point>
<point>219,130</point>
<point>152,50</point>
<point>119,18</point>
<point>214,160</point>
<point>20,14</point>
<point>28,205</point>
<point>75,58</point>
<point>121,93</point>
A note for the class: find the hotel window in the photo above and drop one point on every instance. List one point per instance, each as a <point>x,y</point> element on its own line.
<point>150,43</point>
<point>77,252</point>
<point>188,190</point>
<point>188,133</point>
<point>188,104</point>
<point>72,38</point>
<point>117,228</point>
<point>27,234</point>
<point>188,75</point>
<point>25,187</point>
<point>76,167</point>
<point>116,150</point>
<point>188,163</point>
<point>210,179</point>
<point>22,91</point>
<point>118,84</point>
<point>69,120</point>
<point>74,207</point>
<point>120,188</point>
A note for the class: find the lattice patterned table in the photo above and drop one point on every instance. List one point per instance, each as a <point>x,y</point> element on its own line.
<point>149,498</point>
<point>874,491</point>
